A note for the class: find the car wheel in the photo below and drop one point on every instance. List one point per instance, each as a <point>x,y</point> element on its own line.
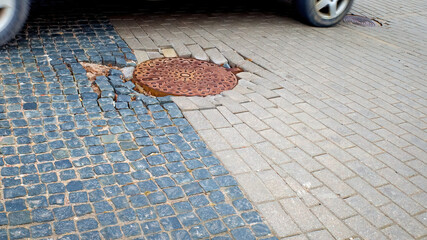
<point>323,13</point>
<point>13,14</point>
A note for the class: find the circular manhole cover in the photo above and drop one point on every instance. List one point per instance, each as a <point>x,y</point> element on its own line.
<point>360,20</point>
<point>183,77</point>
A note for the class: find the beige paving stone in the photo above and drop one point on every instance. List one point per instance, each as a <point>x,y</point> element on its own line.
<point>215,56</point>
<point>134,43</point>
<point>301,175</point>
<point>297,237</point>
<point>214,140</point>
<point>307,132</point>
<point>402,200</point>
<point>229,116</point>
<point>335,226</point>
<point>141,56</point>
<point>270,152</point>
<point>255,161</point>
<point>366,158</point>
<point>306,145</point>
<point>216,118</point>
<point>335,166</point>
<point>169,52</point>
<point>284,116</point>
<point>399,181</point>
<point>411,225</point>
<point>305,160</point>
<point>257,110</point>
<point>233,137</point>
<point>231,105</point>
<point>333,150</point>
<point>336,138</point>
<point>197,52</point>
<point>185,104</point>
<point>396,165</point>
<point>276,139</point>
<point>279,127</point>
<point>363,228</point>
<point>301,214</point>
<point>318,235</point>
<point>197,120</point>
<point>281,223</point>
<point>252,121</point>
<point>418,166</point>
<point>275,184</point>
<point>254,187</point>
<point>368,211</point>
<point>334,183</point>
<point>233,162</point>
<point>396,232</point>
<point>333,202</point>
<point>367,191</point>
<point>202,102</point>
<point>236,95</point>
<point>154,55</point>
<point>249,134</point>
<point>366,173</point>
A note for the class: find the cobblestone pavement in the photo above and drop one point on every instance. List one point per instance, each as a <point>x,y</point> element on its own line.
<point>326,131</point>
<point>76,166</point>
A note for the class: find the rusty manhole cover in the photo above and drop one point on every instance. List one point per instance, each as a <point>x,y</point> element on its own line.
<point>182,77</point>
<point>361,21</point>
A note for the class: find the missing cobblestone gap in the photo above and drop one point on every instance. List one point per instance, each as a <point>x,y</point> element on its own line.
<point>361,21</point>
<point>182,77</point>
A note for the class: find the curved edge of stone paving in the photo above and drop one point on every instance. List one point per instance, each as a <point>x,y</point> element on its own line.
<point>75,166</point>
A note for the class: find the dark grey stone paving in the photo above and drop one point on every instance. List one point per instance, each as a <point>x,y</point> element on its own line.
<point>77,167</point>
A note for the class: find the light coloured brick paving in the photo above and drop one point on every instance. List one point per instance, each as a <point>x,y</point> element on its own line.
<point>326,131</point>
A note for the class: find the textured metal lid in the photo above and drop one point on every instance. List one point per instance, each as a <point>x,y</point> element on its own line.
<point>183,77</point>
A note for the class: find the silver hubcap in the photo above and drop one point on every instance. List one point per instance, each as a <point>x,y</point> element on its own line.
<point>330,9</point>
<point>7,9</point>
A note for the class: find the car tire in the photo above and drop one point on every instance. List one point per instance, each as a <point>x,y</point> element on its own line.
<point>13,14</point>
<point>323,13</point>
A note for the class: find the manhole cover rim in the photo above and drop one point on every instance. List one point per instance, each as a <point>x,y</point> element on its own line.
<point>202,78</point>
<point>361,20</point>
